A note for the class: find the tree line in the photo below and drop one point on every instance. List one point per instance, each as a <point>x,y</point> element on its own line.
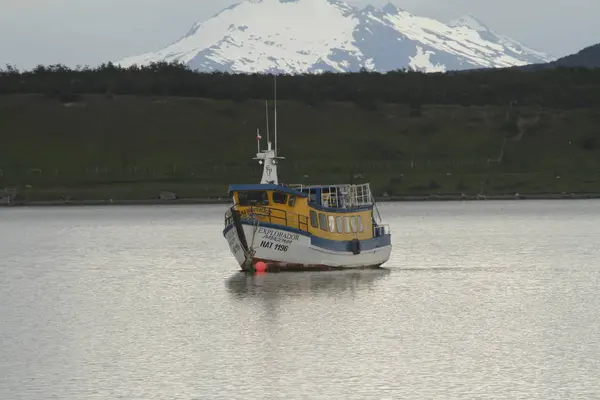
<point>561,87</point>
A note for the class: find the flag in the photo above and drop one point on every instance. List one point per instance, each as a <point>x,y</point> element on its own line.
<point>258,137</point>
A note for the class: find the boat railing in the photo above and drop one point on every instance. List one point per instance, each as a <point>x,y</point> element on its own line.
<point>381,230</point>
<point>274,216</point>
<point>303,223</point>
<point>341,196</point>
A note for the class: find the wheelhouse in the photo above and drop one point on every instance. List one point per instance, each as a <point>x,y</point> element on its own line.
<point>264,195</point>
<point>270,203</point>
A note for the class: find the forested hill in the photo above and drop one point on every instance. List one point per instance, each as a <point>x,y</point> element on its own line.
<point>589,58</point>
<point>111,133</point>
<point>557,88</point>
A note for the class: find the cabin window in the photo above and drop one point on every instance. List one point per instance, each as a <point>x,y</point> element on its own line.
<point>253,198</point>
<point>360,224</point>
<point>331,223</point>
<point>292,201</point>
<point>339,225</point>
<point>353,224</point>
<point>323,221</point>
<point>314,220</point>
<point>279,198</point>
<point>346,225</point>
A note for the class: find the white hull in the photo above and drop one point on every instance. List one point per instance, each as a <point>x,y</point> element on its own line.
<point>282,249</point>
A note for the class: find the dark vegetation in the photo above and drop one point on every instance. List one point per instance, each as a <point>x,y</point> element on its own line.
<point>587,58</point>
<point>129,133</point>
<point>556,88</point>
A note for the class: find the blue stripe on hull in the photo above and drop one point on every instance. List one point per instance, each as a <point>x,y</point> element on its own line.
<point>327,244</point>
<point>346,245</point>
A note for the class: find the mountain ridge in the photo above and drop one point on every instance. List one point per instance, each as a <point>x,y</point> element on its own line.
<point>271,36</point>
<point>588,57</point>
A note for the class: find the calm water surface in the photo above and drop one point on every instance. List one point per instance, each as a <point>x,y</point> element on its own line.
<point>485,300</point>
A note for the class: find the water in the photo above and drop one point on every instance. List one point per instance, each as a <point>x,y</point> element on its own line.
<point>486,300</point>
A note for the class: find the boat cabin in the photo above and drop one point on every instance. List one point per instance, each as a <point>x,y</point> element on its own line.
<point>342,197</point>
<point>330,211</point>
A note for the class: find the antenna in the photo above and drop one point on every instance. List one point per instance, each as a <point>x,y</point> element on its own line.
<point>275,97</point>
<point>267,114</point>
<point>268,158</point>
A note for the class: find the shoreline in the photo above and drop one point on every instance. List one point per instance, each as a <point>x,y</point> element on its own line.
<point>386,199</point>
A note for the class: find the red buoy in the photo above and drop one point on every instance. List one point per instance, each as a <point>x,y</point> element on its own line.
<point>260,267</point>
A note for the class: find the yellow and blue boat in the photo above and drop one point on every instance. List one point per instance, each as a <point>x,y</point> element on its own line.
<point>298,227</point>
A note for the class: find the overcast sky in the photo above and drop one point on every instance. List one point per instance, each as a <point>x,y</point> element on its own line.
<point>88,32</point>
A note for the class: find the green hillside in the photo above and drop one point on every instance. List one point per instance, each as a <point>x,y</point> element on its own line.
<point>99,146</point>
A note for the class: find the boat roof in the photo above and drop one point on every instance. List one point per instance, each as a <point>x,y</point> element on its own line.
<point>350,201</point>
<point>265,186</point>
<point>321,186</point>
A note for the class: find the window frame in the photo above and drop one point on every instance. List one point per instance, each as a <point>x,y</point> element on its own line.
<point>278,194</point>
<point>347,225</point>
<point>242,198</point>
<point>331,222</point>
<point>353,225</point>
<point>314,222</point>
<point>323,222</point>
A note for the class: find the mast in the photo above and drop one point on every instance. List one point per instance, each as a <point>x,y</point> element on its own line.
<point>268,158</point>
<point>267,118</point>
<point>275,101</point>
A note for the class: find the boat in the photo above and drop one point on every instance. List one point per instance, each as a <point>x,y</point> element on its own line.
<point>275,227</point>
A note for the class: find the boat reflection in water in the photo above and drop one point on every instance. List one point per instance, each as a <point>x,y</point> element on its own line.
<point>244,284</point>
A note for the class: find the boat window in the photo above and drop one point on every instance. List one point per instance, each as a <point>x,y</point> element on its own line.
<point>253,198</point>
<point>360,224</point>
<point>279,198</point>
<point>346,225</point>
<point>323,221</point>
<point>331,223</point>
<point>292,201</point>
<point>339,225</point>
<point>314,220</point>
<point>353,224</point>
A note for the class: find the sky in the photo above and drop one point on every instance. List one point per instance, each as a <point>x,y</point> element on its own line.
<point>89,32</point>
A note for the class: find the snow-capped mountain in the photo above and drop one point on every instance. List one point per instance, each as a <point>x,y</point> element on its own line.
<point>511,45</point>
<point>296,36</point>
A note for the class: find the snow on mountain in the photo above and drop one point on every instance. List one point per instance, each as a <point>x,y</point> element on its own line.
<point>486,33</point>
<point>469,21</point>
<point>296,36</point>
